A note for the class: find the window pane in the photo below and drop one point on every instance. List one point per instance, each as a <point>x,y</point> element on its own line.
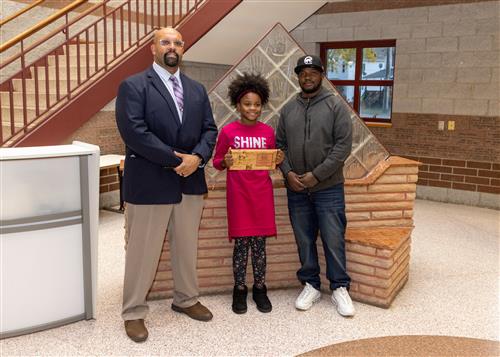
<point>378,63</point>
<point>375,102</point>
<point>341,63</point>
<point>347,92</point>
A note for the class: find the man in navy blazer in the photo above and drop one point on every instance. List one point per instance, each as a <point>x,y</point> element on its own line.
<point>166,122</point>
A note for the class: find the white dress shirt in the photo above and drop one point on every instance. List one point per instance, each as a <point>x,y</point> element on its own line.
<point>165,78</point>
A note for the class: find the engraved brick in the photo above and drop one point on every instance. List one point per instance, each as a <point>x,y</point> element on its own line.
<point>382,262</point>
<point>213,222</point>
<point>411,178</point>
<point>408,213</point>
<point>355,188</point>
<point>360,268</point>
<point>392,179</point>
<point>215,202</point>
<point>410,196</point>
<point>404,222</point>
<point>387,214</point>
<point>392,188</point>
<point>372,197</point>
<point>358,216</point>
<point>365,289</point>
<point>378,206</point>
<point>359,248</point>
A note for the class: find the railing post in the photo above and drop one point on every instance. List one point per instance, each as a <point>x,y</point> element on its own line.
<point>105,35</point>
<point>23,79</point>
<point>68,74</point>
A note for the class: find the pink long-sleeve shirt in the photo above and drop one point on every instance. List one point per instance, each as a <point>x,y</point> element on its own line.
<point>249,195</point>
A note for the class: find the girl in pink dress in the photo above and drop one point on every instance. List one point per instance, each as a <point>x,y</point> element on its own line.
<point>250,200</point>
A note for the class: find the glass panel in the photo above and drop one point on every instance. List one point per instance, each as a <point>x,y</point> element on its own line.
<point>371,153</point>
<point>353,169</point>
<point>375,102</point>
<point>340,63</point>
<point>281,90</point>
<point>278,45</point>
<point>378,63</point>
<point>28,187</point>
<point>347,92</point>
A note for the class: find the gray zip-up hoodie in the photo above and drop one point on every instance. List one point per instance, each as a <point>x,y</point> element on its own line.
<point>315,135</point>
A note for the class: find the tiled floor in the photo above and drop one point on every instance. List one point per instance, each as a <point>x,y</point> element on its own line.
<point>453,290</point>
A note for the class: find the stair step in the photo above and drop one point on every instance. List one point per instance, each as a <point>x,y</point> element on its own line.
<point>17,98</point>
<point>18,115</point>
<point>82,61</point>
<point>30,85</point>
<point>73,72</point>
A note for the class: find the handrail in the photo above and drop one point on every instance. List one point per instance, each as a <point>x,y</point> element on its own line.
<point>20,12</point>
<point>45,79</point>
<point>41,25</point>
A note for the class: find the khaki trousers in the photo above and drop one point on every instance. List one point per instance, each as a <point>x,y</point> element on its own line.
<point>145,227</point>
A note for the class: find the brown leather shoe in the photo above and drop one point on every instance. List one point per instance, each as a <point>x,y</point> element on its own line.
<point>136,330</point>
<point>197,312</point>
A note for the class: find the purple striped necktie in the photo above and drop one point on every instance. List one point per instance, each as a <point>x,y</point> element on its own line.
<point>179,97</point>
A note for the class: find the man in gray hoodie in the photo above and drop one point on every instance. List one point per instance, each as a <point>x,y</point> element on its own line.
<point>315,133</point>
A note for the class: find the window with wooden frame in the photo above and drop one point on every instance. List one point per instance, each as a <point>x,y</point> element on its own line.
<point>363,72</point>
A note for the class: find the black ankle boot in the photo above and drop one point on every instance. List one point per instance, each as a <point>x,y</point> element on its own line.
<point>261,299</point>
<point>240,300</point>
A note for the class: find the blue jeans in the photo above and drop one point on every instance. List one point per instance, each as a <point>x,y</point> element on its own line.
<point>322,211</point>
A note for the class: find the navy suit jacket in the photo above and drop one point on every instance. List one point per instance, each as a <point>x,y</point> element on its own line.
<point>150,127</point>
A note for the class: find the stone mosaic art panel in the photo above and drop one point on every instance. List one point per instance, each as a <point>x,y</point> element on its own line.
<point>275,57</point>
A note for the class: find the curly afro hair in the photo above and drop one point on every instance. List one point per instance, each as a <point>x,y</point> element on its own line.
<point>246,83</point>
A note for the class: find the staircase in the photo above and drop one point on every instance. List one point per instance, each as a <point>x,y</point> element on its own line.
<point>48,98</point>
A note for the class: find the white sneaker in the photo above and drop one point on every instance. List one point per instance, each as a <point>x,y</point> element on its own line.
<point>343,302</point>
<point>307,297</point>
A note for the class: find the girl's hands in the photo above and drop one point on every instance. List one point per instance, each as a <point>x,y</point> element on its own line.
<point>228,159</point>
<point>280,156</point>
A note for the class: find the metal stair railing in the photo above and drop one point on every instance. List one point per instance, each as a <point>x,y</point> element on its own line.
<point>91,44</point>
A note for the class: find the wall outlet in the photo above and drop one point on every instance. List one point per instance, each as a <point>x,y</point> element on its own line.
<point>440,125</point>
<point>451,125</point>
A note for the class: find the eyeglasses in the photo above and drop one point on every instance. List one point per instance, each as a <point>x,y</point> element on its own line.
<point>176,43</point>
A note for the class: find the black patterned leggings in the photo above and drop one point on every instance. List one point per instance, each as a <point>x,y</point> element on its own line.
<point>240,259</point>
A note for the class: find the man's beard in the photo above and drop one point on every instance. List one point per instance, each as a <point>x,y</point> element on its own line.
<point>313,89</point>
<point>171,61</point>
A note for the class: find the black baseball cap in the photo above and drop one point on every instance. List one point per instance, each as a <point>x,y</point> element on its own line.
<point>309,61</point>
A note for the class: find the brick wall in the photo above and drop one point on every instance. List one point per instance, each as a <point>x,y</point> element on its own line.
<point>108,180</point>
<point>447,70</point>
<point>379,210</point>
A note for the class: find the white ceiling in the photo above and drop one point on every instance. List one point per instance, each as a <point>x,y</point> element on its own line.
<point>241,29</point>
